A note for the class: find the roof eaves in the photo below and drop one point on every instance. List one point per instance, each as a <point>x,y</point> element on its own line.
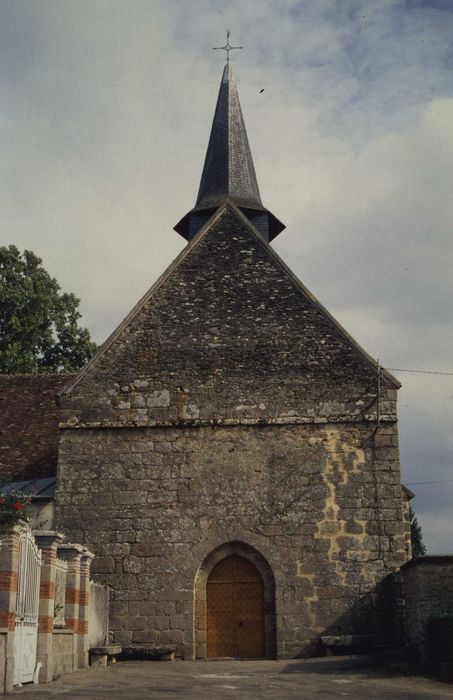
<point>407,492</point>
<point>37,489</point>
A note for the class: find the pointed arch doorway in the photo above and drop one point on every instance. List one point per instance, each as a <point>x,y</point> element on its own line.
<point>235,604</point>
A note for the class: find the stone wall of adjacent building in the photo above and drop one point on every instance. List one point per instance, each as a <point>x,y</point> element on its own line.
<point>320,503</point>
<point>425,589</point>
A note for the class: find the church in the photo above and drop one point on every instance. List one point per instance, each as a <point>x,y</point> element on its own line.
<point>231,453</point>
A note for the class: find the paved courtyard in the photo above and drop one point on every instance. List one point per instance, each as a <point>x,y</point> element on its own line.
<point>246,680</point>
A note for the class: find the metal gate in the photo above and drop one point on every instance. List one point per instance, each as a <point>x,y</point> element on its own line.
<point>27,609</point>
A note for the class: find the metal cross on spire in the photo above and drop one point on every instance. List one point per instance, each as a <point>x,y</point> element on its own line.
<point>227,47</point>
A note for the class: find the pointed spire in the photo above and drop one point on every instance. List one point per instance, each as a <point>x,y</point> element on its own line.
<point>228,168</point>
<point>228,172</point>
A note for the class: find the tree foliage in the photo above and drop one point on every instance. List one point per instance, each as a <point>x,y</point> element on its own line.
<point>418,548</point>
<point>39,329</point>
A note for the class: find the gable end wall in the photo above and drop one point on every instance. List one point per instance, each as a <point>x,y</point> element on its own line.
<point>228,337</point>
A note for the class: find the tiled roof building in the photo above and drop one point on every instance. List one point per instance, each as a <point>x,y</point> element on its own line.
<point>29,417</point>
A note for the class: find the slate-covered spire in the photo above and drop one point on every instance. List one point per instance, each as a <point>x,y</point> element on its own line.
<point>228,168</point>
<point>228,172</point>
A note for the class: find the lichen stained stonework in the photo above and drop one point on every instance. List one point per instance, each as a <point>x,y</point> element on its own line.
<point>230,410</point>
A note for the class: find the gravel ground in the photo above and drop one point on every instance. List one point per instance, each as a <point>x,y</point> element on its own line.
<point>247,680</point>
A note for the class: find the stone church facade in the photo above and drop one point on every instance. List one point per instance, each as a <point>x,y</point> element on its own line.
<point>231,454</point>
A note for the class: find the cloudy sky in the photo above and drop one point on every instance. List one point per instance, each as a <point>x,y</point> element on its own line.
<point>106,107</point>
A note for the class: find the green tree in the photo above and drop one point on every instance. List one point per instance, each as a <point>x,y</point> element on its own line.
<point>39,329</point>
<point>418,548</point>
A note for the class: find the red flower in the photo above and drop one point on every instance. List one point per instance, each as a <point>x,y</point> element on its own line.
<point>18,506</point>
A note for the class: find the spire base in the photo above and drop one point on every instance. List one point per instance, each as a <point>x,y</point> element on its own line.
<point>267,225</point>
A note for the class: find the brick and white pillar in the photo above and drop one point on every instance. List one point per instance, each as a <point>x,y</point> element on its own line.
<point>72,553</point>
<point>9,565</point>
<point>47,541</point>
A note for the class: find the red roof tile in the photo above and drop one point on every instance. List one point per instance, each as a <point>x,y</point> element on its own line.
<point>29,418</point>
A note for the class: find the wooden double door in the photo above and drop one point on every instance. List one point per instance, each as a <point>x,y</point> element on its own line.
<point>235,610</point>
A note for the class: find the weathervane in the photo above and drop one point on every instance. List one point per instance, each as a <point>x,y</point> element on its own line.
<point>227,47</point>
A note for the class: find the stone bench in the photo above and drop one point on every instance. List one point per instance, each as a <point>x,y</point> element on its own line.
<point>145,652</point>
<point>101,656</point>
<point>347,644</point>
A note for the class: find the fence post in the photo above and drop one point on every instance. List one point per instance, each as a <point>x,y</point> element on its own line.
<point>72,553</point>
<point>47,541</point>
<point>9,565</point>
<point>84,600</point>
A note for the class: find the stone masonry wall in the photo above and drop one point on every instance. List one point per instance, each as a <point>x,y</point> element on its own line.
<point>427,590</point>
<point>230,407</point>
<point>228,335</point>
<point>322,503</point>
